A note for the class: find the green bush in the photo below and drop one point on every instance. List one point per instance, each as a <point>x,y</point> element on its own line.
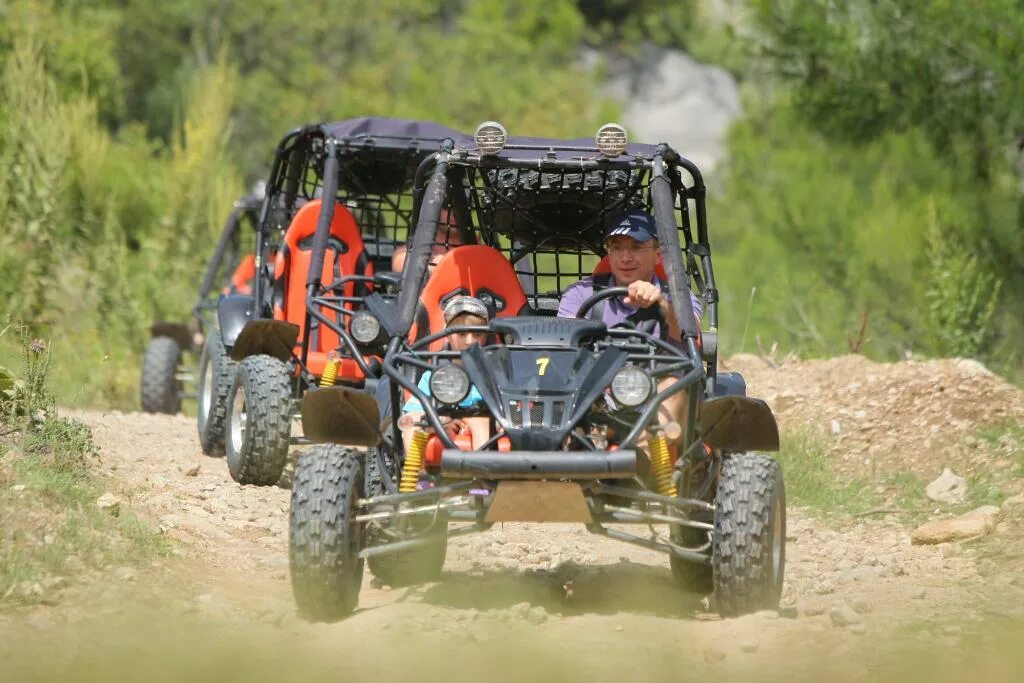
<point>961,297</point>
<point>835,239</point>
<point>114,216</point>
<point>106,234</point>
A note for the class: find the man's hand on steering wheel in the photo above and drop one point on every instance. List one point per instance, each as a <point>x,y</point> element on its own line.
<point>643,294</point>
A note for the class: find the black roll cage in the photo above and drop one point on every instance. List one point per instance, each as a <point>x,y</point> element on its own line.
<point>670,197</point>
<point>228,251</point>
<point>307,163</point>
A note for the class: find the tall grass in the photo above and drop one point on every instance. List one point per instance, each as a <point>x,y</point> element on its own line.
<point>106,234</point>
<point>33,159</point>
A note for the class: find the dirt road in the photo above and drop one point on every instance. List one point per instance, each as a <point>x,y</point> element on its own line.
<point>518,602</point>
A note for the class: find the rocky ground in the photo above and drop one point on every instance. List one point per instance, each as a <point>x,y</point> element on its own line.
<point>523,601</point>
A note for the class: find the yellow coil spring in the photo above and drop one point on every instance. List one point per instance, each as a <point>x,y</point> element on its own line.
<point>413,462</point>
<point>330,374</point>
<point>661,465</point>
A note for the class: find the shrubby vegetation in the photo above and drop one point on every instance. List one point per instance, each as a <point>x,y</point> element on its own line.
<point>124,141</point>
<point>871,194</point>
<point>878,248</point>
<point>880,173</point>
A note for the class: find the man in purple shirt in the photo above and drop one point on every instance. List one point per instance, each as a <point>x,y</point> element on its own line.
<point>633,257</point>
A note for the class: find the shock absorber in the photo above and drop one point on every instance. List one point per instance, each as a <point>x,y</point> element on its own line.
<point>330,370</point>
<point>661,464</point>
<point>413,461</point>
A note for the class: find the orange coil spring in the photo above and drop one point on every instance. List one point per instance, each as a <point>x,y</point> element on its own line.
<point>413,462</point>
<point>661,465</point>
<point>330,374</point>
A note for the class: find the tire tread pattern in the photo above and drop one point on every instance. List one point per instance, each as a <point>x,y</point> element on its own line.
<point>161,391</point>
<point>749,488</point>
<point>268,398</point>
<point>326,575</point>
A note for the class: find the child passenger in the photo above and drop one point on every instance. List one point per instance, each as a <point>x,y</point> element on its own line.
<point>461,310</point>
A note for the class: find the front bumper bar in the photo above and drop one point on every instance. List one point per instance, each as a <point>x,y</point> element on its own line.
<point>620,464</point>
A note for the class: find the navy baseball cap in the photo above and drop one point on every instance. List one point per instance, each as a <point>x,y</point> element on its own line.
<point>636,224</point>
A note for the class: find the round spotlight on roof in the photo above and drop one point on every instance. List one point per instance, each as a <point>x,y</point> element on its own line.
<point>611,140</point>
<point>490,137</point>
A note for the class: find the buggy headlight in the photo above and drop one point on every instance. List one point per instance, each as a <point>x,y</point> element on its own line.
<point>365,327</point>
<point>449,383</point>
<point>611,140</point>
<point>490,137</point>
<point>631,386</point>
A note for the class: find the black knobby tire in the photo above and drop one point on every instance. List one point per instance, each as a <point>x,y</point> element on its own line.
<point>691,576</point>
<point>259,419</point>
<point>216,372</point>
<point>408,567</point>
<point>161,388</point>
<point>324,538</point>
<point>749,546</point>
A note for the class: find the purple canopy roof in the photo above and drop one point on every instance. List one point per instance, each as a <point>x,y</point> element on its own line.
<point>633,149</point>
<point>385,132</point>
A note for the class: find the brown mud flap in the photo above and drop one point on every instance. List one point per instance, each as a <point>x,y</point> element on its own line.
<point>739,423</point>
<point>538,501</point>
<point>341,415</point>
<point>275,338</point>
<point>179,332</point>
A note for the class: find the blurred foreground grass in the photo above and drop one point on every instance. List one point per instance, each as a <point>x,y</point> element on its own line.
<point>156,648</point>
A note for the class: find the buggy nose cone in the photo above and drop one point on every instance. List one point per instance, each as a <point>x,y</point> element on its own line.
<point>620,464</point>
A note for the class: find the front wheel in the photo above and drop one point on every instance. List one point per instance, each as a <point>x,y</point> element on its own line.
<point>259,421</point>
<point>748,551</point>
<point>161,388</point>
<point>324,537</point>
<point>416,565</point>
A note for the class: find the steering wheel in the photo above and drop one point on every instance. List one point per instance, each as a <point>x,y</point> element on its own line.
<point>593,299</point>
<point>649,313</point>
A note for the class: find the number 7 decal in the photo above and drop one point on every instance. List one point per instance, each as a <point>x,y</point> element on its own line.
<point>542,364</point>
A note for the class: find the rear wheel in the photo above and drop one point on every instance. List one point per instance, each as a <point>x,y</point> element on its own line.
<point>408,567</point>
<point>691,576</point>
<point>749,545</point>
<point>414,566</point>
<point>161,388</point>
<point>216,372</point>
<point>259,420</point>
<point>324,538</point>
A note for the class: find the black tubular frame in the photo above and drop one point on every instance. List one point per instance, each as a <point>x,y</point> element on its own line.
<point>227,253</point>
<point>368,165</point>
<point>658,180</point>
